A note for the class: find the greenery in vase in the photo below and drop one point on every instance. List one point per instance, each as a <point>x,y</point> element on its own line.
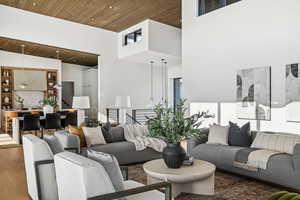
<point>173,126</point>
<point>19,100</point>
<point>51,102</point>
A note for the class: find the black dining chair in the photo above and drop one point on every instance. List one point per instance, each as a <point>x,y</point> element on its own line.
<point>71,119</point>
<point>31,123</point>
<point>52,121</point>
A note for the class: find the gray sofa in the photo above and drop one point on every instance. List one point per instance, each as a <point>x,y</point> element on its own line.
<point>124,151</point>
<point>283,169</point>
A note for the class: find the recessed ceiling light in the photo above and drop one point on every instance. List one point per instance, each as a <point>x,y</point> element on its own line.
<point>92,19</point>
<point>110,6</point>
<point>34,3</point>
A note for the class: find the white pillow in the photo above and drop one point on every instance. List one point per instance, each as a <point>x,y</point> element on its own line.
<point>218,135</point>
<point>276,142</point>
<point>93,136</point>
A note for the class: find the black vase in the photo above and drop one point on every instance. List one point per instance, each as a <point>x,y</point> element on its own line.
<point>173,155</point>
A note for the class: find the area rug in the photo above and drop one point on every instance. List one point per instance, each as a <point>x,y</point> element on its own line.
<point>227,187</point>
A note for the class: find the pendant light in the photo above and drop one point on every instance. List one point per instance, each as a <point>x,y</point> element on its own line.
<point>151,103</point>
<point>23,85</point>
<point>57,86</point>
<point>162,81</point>
<point>166,82</point>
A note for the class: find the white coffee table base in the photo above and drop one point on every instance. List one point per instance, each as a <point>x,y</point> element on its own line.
<point>198,184</point>
<point>201,187</point>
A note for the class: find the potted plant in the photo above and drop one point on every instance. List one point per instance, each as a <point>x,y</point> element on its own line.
<point>173,126</point>
<point>20,101</point>
<point>49,105</point>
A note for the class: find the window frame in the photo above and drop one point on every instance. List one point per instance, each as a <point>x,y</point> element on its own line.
<point>135,36</point>
<point>201,6</point>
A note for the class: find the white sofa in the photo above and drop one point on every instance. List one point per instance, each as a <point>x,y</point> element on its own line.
<point>81,178</point>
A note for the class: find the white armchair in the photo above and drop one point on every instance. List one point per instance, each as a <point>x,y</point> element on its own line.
<point>81,178</point>
<point>39,167</point>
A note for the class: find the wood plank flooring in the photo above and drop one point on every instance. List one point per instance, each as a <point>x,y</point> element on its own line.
<point>12,175</point>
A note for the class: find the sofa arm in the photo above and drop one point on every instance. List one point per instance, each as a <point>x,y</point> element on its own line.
<point>296,157</point>
<point>192,143</point>
<point>138,190</point>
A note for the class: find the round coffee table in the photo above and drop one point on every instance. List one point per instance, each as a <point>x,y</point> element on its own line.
<point>198,178</point>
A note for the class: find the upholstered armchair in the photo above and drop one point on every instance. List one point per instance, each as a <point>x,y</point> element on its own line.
<point>81,178</point>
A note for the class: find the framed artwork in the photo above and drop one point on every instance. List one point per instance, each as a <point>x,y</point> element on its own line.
<point>292,90</point>
<point>253,93</point>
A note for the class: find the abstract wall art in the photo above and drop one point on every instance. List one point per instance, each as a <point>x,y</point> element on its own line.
<point>254,93</point>
<point>292,89</point>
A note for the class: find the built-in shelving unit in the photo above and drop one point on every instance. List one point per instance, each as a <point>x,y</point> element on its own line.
<point>7,88</point>
<point>51,82</point>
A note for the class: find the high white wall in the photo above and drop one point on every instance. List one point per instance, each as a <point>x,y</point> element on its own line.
<point>116,77</point>
<point>250,33</point>
<point>74,73</point>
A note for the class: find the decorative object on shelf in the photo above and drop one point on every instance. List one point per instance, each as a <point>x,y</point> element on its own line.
<point>7,88</point>
<point>123,103</point>
<point>173,126</point>
<point>49,105</point>
<point>81,103</point>
<point>292,91</point>
<point>23,85</point>
<point>151,102</point>
<point>254,93</point>
<point>19,100</point>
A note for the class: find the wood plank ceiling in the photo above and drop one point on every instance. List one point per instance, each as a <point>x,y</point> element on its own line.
<point>114,15</point>
<point>65,55</point>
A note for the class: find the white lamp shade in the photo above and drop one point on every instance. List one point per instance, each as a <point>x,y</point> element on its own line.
<point>81,102</point>
<point>123,102</point>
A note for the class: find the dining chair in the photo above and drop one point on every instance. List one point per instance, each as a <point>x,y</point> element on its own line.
<point>71,119</point>
<point>31,123</point>
<point>52,121</point>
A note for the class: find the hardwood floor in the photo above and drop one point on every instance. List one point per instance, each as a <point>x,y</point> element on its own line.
<point>12,175</point>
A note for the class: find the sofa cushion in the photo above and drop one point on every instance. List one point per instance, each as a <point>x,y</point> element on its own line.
<point>93,136</point>
<point>79,132</point>
<point>111,165</point>
<point>53,143</point>
<point>218,135</point>
<point>239,136</point>
<point>277,142</point>
<point>113,134</point>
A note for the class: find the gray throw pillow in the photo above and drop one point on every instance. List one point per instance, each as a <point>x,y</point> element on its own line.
<point>53,143</point>
<point>113,134</point>
<point>111,165</point>
<point>239,136</point>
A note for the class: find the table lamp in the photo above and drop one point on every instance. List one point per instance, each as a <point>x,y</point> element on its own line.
<point>81,103</point>
<point>123,102</point>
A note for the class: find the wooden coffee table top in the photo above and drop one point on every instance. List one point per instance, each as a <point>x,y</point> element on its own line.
<point>199,170</point>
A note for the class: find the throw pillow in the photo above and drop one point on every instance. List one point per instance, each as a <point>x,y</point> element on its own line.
<point>218,135</point>
<point>93,136</point>
<point>78,131</point>
<point>111,165</point>
<point>113,134</point>
<point>53,143</point>
<point>280,142</point>
<point>239,136</point>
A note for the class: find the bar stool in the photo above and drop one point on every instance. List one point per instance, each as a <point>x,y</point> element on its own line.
<point>52,121</point>
<point>8,121</point>
<point>71,119</point>
<point>31,123</point>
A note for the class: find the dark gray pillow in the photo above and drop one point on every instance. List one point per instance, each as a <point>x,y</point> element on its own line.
<point>53,143</point>
<point>111,166</point>
<point>239,136</point>
<point>113,134</point>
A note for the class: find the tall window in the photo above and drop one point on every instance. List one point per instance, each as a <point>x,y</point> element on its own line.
<point>133,37</point>
<point>177,91</point>
<point>206,6</point>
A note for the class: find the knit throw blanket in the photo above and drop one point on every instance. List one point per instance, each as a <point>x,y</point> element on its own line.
<point>138,135</point>
<point>256,159</point>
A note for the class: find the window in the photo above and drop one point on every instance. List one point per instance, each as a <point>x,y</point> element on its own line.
<point>177,91</point>
<point>133,37</point>
<point>206,6</point>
